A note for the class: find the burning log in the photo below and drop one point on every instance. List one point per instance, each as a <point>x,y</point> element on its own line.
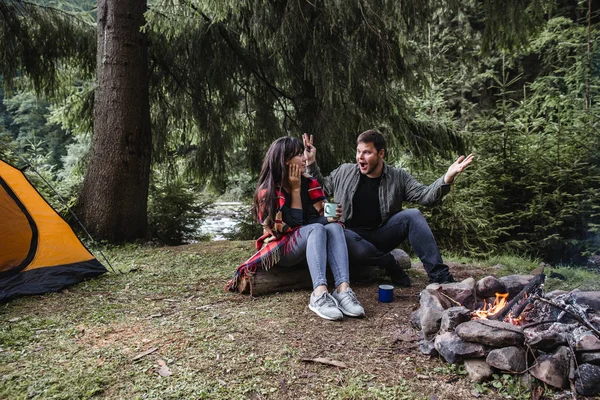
<point>516,306</point>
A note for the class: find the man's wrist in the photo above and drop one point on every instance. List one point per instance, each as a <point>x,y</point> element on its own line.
<point>448,180</point>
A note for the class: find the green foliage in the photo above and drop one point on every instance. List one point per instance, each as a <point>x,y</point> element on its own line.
<point>174,212</point>
<point>36,39</point>
<point>34,134</point>
<point>263,70</point>
<point>534,186</point>
<point>505,386</point>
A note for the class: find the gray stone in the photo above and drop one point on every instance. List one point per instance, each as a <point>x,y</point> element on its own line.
<point>587,380</point>
<point>478,370</point>
<point>415,319</point>
<point>589,299</point>
<point>453,317</point>
<point>460,292</point>
<point>454,349</point>
<point>589,358</point>
<point>433,299</point>
<point>489,286</point>
<point>427,347</point>
<point>510,359</point>
<point>431,320</point>
<point>545,339</point>
<point>587,342</point>
<point>555,293</point>
<point>553,369</point>
<point>432,304</point>
<point>515,283</point>
<point>492,333</point>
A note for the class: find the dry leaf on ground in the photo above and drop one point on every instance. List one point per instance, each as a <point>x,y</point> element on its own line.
<point>164,370</point>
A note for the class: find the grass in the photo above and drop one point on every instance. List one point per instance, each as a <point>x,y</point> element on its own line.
<point>87,341</point>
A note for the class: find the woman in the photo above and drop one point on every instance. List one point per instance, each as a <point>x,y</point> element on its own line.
<point>289,206</point>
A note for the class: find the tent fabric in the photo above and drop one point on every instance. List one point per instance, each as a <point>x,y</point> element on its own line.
<point>39,252</point>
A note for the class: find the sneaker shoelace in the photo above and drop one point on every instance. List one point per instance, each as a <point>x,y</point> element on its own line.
<point>351,296</point>
<point>325,300</point>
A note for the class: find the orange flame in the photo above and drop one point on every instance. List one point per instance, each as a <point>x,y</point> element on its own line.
<point>491,309</point>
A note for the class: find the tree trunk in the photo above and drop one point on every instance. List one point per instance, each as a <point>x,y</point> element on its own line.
<point>114,197</point>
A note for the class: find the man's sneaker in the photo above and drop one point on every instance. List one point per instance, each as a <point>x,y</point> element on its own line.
<point>447,279</point>
<point>348,303</point>
<point>439,273</point>
<point>402,259</point>
<point>325,306</point>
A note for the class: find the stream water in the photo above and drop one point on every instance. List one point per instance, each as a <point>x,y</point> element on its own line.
<point>219,219</point>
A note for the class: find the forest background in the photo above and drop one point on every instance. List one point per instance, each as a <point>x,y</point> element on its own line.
<point>141,128</point>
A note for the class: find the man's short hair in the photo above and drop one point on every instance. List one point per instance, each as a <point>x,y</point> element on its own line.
<point>372,136</point>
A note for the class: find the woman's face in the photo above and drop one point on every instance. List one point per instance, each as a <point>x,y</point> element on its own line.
<point>298,160</point>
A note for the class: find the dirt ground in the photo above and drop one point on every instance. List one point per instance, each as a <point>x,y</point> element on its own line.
<point>162,327</point>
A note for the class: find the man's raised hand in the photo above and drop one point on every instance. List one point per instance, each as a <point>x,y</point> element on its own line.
<point>457,167</point>
<point>310,153</point>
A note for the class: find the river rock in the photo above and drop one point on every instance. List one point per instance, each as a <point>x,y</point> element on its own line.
<point>432,304</point>
<point>489,286</point>
<point>454,316</point>
<point>587,380</point>
<point>492,333</point>
<point>510,359</point>
<point>587,342</point>
<point>553,369</point>
<point>415,319</point>
<point>461,292</point>
<point>515,283</point>
<point>589,358</point>
<point>478,370</point>
<point>589,299</point>
<point>427,347</point>
<point>454,349</point>
<point>545,339</point>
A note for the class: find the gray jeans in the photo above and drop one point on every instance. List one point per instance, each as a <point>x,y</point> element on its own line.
<point>319,245</point>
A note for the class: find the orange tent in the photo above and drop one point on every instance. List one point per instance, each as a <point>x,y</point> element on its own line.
<point>39,252</point>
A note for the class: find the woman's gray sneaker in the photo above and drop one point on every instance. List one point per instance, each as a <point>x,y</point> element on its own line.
<point>325,306</point>
<point>348,303</point>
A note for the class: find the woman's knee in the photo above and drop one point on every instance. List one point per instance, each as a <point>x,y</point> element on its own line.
<point>334,229</point>
<point>316,230</point>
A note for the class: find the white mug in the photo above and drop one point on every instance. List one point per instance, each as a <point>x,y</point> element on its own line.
<point>330,210</point>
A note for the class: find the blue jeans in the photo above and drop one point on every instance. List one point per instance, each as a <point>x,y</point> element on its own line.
<point>320,244</point>
<point>369,246</point>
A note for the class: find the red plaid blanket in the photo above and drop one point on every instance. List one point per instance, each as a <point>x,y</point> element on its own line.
<point>275,242</point>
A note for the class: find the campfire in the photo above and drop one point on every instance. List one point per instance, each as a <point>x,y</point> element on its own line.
<point>493,309</point>
<point>511,325</point>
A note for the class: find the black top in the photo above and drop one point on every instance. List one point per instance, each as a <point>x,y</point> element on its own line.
<point>308,215</point>
<point>366,212</point>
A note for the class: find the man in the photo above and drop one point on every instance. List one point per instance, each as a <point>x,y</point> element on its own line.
<point>371,195</point>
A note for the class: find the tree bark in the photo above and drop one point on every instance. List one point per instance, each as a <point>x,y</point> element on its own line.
<point>114,197</point>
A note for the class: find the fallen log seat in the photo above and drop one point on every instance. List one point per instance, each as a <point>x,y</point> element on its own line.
<point>297,277</point>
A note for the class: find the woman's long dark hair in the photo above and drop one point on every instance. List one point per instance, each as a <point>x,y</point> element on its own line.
<point>272,175</point>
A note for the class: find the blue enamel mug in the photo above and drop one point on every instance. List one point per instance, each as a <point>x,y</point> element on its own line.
<point>386,293</point>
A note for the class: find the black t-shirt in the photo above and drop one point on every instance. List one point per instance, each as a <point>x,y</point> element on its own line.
<point>365,204</point>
